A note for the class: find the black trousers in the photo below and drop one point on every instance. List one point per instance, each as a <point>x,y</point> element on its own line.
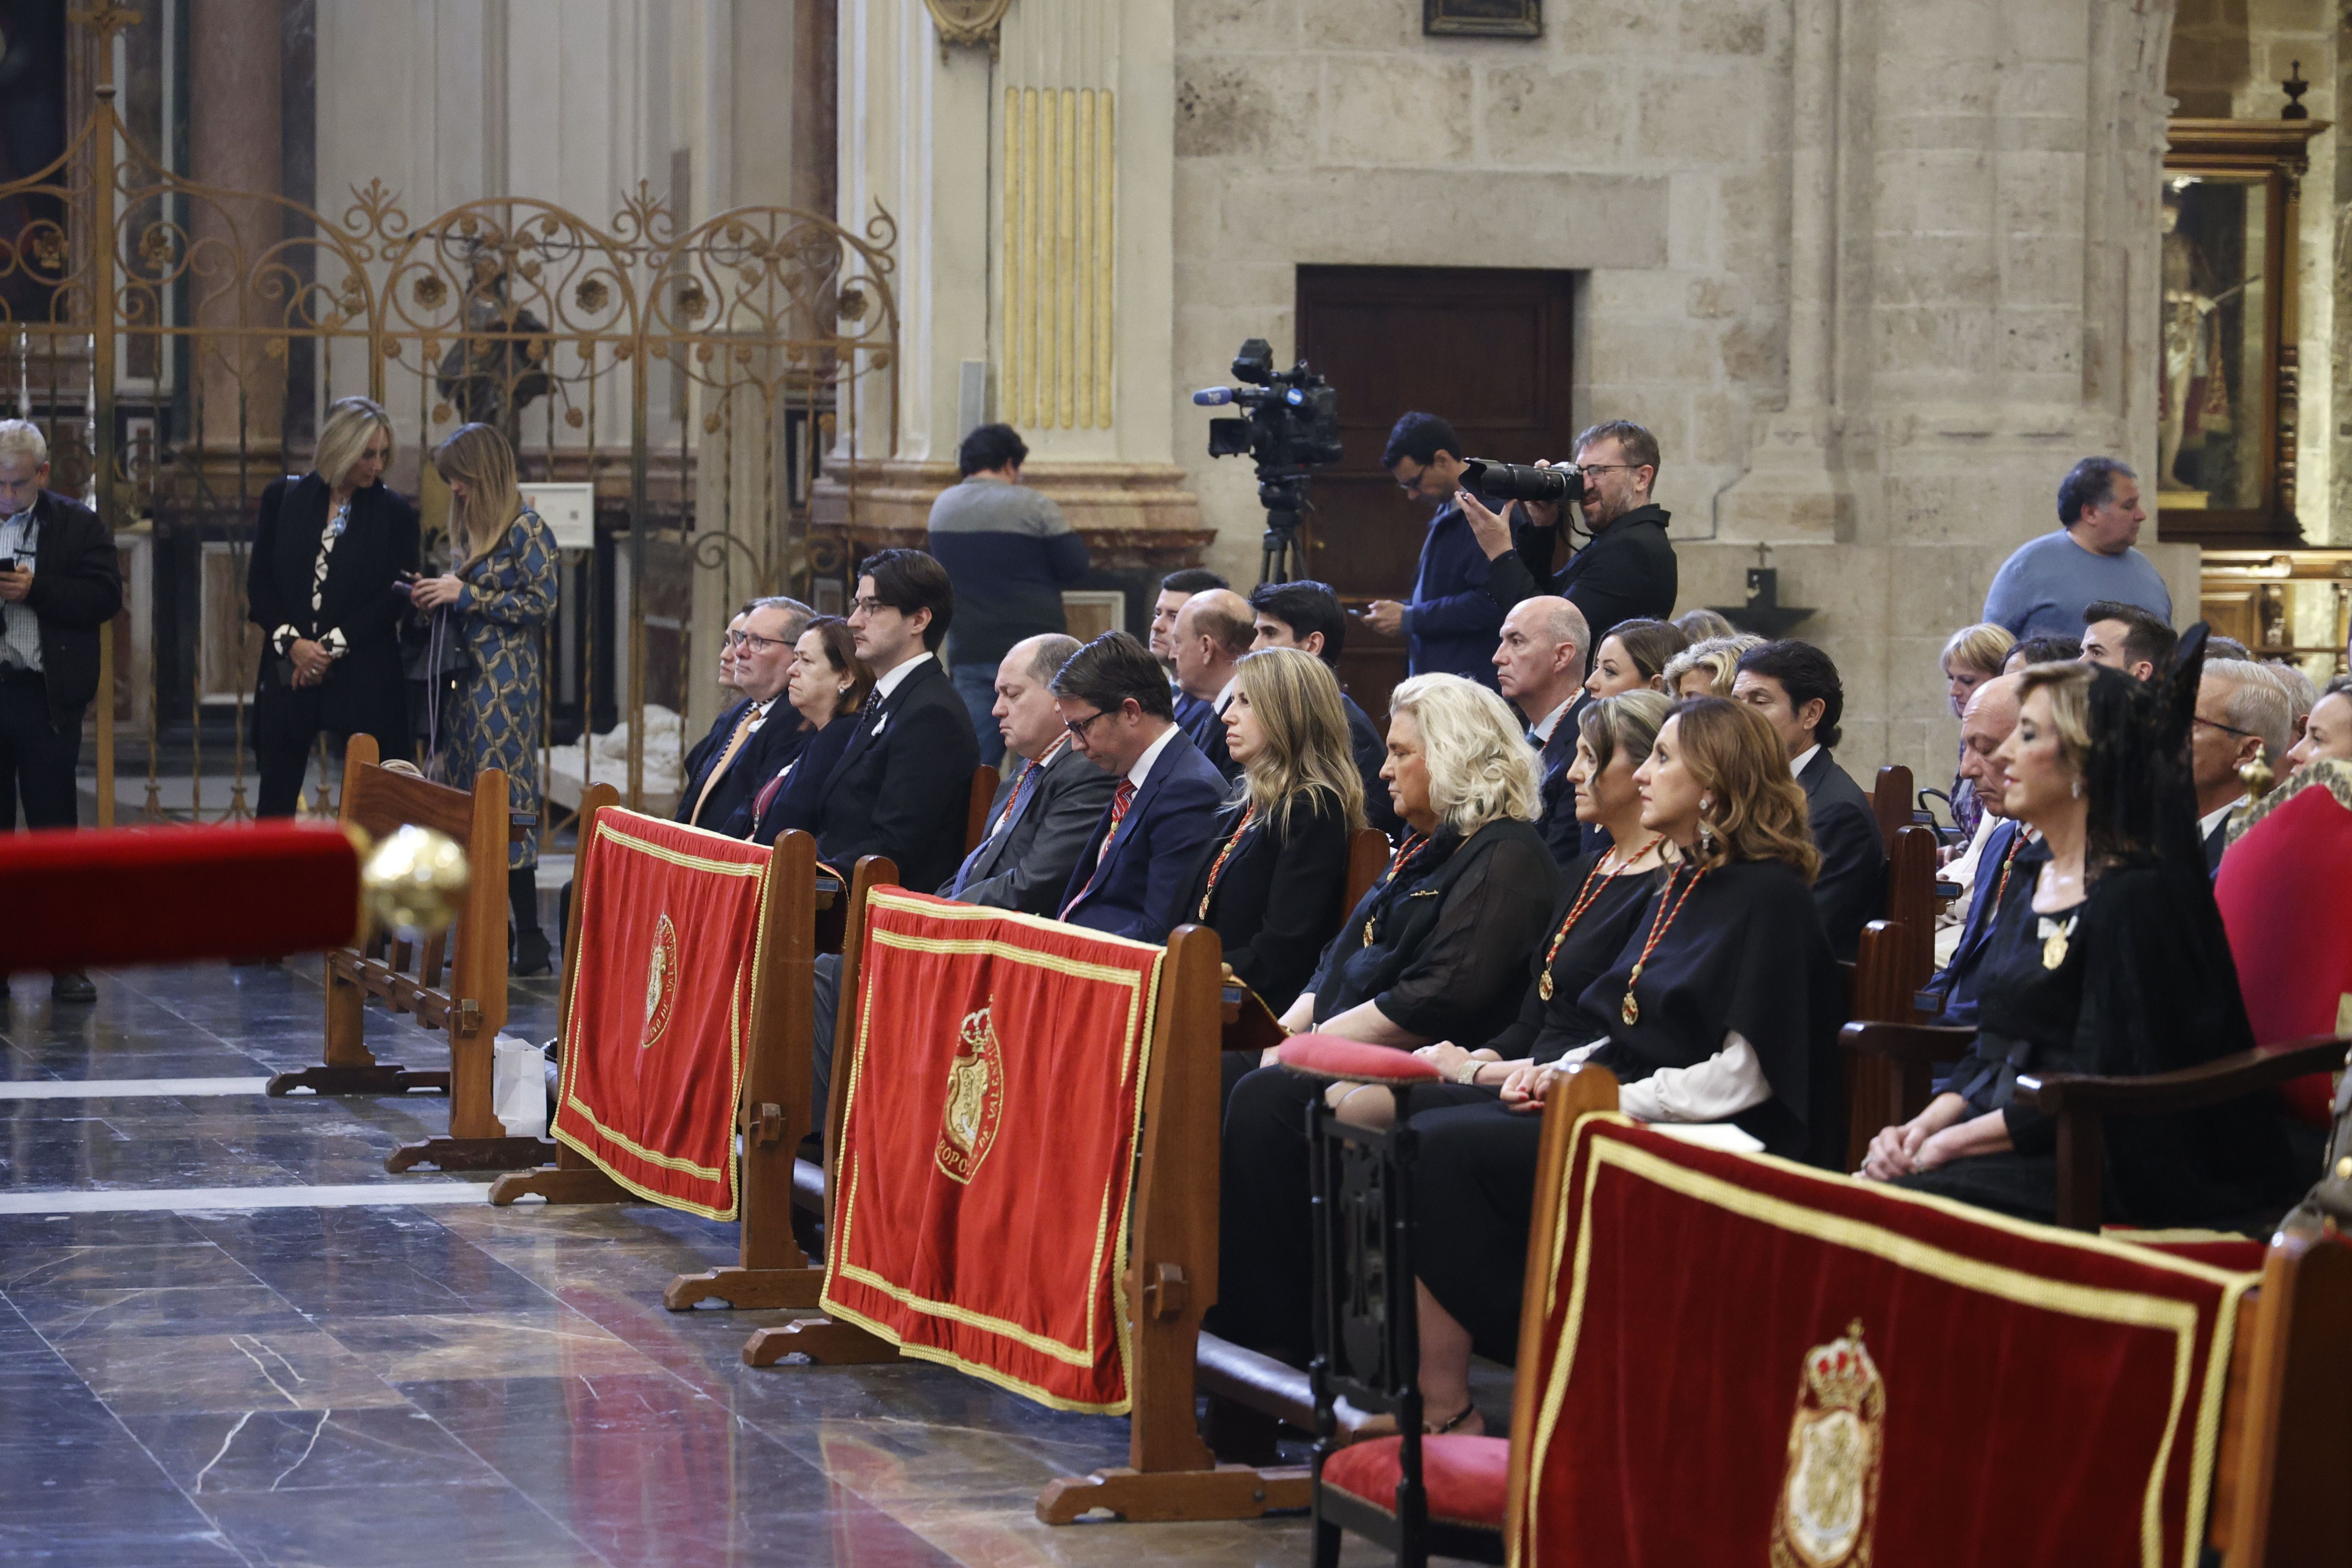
<point>1266,1234</point>
<point>1474,1193</point>
<point>38,753</point>
<point>287,722</point>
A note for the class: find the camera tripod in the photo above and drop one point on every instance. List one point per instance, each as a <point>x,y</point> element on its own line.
<point>1282,556</point>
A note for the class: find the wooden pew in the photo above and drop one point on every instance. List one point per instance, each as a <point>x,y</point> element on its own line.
<point>984,780</point>
<point>1891,802</point>
<point>463,994</point>
<point>1895,957</point>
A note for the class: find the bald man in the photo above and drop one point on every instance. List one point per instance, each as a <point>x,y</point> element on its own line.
<point>1212,630</point>
<point>1539,667</point>
<point>2009,850</point>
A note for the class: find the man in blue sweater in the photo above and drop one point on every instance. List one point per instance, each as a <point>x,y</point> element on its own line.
<point>1008,551</point>
<point>1451,626</point>
<point>2043,589</point>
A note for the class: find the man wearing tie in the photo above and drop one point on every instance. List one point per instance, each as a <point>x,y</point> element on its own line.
<point>1212,630</point>
<point>1174,589</point>
<point>1047,806</point>
<point>762,733</point>
<point>1539,666</point>
<point>2010,848</point>
<point>1136,866</point>
<point>903,788</point>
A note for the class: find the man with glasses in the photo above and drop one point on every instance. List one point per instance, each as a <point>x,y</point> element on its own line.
<point>1449,626</point>
<point>1626,572</point>
<point>1137,867</point>
<point>903,787</point>
<point>753,741</point>
<point>2241,710</point>
<point>59,586</point>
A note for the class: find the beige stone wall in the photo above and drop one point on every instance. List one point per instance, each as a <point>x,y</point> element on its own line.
<point>1642,141</point>
<point>1863,265</point>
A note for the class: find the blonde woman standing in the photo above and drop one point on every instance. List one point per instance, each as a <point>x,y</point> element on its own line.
<point>499,598</point>
<point>1271,879</point>
<point>321,582</point>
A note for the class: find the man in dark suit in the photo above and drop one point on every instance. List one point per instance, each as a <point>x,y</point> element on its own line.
<point>1212,631</point>
<point>2010,848</point>
<point>1176,588</point>
<point>731,642</point>
<point>1307,616</point>
<point>756,737</point>
<point>1627,572</point>
<point>1050,798</point>
<point>1539,666</point>
<point>1449,627</point>
<point>904,786</point>
<point>1137,865</point>
<point>52,615</point>
<point>1796,688</point>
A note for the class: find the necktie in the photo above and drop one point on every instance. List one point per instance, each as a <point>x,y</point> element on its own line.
<point>1121,799</point>
<point>1013,804</point>
<point>719,768</point>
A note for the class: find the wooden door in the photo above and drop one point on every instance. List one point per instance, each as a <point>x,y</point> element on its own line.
<point>1484,348</point>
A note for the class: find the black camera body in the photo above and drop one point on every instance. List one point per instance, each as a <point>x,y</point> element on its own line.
<point>1505,482</point>
<point>1290,427</point>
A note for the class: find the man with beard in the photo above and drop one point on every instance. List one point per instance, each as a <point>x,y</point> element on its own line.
<point>1627,573</point>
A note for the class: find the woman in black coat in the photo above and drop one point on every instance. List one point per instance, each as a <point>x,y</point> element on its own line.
<point>328,552</point>
<point>1272,880</point>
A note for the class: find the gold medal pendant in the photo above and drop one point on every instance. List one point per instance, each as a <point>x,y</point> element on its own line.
<point>1543,986</point>
<point>1631,1010</point>
<point>2053,951</point>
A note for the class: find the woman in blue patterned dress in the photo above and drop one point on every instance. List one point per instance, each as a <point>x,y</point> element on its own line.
<point>503,594</point>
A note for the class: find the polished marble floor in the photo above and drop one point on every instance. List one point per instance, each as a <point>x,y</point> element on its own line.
<point>348,1382</point>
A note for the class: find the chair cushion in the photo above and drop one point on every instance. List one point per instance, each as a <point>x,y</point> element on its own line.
<point>1467,1478</point>
<point>1328,1056</point>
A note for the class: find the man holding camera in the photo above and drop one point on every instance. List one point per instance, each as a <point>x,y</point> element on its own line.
<point>1450,626</point>
<point>1628,570</point>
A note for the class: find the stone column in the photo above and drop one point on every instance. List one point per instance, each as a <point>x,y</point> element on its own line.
<point>1973,232</point>
<point>1032,196</point>
<point>235,143</point>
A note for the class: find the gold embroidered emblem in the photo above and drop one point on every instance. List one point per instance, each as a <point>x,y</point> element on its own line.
<point>975,1099</point>
<point>661,982</point>
<point>1828,1493</point>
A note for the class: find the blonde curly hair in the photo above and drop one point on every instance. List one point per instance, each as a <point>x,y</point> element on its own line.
<point>1481,768</point>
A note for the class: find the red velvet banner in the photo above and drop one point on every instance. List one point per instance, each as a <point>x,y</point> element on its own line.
<point>996,1080</point>
<point>1748,1361</point>
<point>661,1001</point>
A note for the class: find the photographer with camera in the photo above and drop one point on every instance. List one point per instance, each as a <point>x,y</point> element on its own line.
<point>1626,572</point>
<point>1452,622</point>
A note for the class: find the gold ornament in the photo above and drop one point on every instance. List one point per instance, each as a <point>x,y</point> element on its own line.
<point>1829,1490</point>
<point>970,22</point>
<point>2054,940</point>
<point>1632,1010</point>
<point>415,881</point>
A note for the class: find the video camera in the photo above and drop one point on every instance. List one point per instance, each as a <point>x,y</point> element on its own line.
<point>1290,427</point>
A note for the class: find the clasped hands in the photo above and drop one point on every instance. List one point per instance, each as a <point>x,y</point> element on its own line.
<point>311,661</point>
<point>1933,1137</point>
<point>432,593</point>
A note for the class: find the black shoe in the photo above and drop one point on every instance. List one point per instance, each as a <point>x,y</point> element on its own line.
<point>71,985</point>
<point>532,953</point>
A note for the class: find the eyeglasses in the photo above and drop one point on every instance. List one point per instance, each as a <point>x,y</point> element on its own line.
<point>1605,468</point>
<point>752,640</point>
<point>1077,727</point>
<point>868,604</point>
<point>2226,730</point>
<point>1410,486</point>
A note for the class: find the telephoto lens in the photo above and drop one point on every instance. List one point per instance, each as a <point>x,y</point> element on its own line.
<point>1496,481</point>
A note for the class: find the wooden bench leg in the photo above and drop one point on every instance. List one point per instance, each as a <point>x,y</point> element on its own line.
<point>745,1288</point>
<point>471,1155</point>
<point>351,1067</point>
<point>570,1180</point>
<point>1229,1491</point>
<point>824,1341</point>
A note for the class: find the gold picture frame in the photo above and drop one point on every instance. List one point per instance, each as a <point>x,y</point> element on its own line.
<point>1482,18</point>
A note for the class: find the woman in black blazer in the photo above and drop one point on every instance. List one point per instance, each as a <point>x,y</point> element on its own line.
<point>328,552</point>
<point>1272,880</point>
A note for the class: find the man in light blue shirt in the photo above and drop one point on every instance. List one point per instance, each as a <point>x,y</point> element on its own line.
<point>2043,589</point>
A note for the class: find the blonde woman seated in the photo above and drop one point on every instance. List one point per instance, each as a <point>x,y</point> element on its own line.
<point>1707,668</point>
<point>1972,656</point>
<point>1438,949</point>
<point>1603,897</point>
<point>1272,878</point>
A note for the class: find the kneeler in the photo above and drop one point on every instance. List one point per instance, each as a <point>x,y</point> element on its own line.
<point>984,1058</point>
<point>744,1072</point>
<point>462,994</point>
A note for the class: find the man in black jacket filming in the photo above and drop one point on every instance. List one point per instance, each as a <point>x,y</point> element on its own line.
<point>1626,572</point>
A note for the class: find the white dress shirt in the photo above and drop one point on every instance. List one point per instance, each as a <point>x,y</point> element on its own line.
<point>1797,766</point>
<point>1142,768</point>
<point>1727,1083</point>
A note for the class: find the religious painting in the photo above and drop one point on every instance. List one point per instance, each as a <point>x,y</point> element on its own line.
<point>2217,351</point>
<point>1483,18</point>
